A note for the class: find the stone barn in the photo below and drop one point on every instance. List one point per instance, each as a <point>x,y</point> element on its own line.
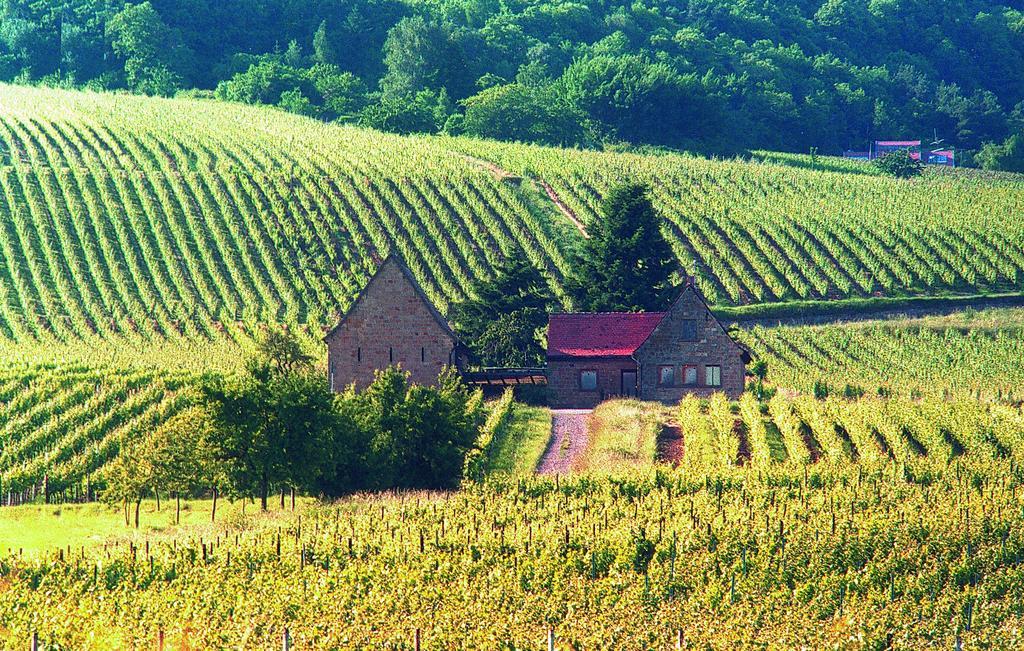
<point>650,355</point>
<point>392,322</point>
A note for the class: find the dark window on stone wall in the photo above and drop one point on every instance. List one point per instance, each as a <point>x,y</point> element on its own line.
<point>688,329</point>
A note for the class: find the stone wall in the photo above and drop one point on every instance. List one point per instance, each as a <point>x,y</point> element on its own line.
<point>564,377</point>
<point>389,324</point>
<point>671,344</point>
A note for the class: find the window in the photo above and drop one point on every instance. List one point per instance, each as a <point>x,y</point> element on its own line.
<point>688,329</point>
<point>423,354</point>
<point>690,375</point>
<point>588,380</point>
<point>391,354</point>
<point>713,376</point>
<point>666,376</point>
<point>359,354</point>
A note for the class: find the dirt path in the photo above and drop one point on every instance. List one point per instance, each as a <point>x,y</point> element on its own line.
<point>564,209</point>
<point>502,174</point>
<point>670,444</point>
<point>499,172</point>
<point>570,429</point>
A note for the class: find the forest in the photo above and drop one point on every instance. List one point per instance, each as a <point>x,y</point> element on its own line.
<point>788,75</point>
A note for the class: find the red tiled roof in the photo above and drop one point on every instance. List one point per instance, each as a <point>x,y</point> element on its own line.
<point>898,143</point>
<point>601,334</point>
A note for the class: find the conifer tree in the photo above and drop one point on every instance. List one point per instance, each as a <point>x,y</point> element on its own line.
<point>626,265</point>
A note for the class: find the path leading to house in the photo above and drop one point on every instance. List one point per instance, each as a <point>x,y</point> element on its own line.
<point>570,433</point>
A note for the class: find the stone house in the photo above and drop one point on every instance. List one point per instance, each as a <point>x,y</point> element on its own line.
<point>392,322</point>
<point>652,355</point>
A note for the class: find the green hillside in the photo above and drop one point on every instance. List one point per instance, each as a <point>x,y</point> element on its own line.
<point>144,241</point>
<point>172,218</point>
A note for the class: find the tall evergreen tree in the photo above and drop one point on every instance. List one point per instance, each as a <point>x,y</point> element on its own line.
<point>626,264</point>
<point>502,321</point>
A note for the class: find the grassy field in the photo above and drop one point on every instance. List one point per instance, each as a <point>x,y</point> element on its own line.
<point>35,529</point>
<point>623,436</point>
<point>518,449</point>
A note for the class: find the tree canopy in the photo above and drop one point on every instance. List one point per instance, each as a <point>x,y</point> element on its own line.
<point>503,319</point>
<point>713,76</point>
<point>626,265</point>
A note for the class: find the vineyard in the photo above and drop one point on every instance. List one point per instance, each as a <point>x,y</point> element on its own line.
<point>848,558</point>
<point>763,232</point>
<point>174,219</point>
<point>963,355</point>
<point>61,424</point>
<point>146,241</point>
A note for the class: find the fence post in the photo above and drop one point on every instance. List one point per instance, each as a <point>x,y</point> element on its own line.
<point>679,640</point>
<point>35,642</point>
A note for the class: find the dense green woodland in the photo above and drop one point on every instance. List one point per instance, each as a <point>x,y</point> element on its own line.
<point>711,75</point>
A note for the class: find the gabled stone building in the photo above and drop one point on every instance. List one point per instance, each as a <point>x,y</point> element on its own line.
<point>391,323</point>
<point>652,356</point>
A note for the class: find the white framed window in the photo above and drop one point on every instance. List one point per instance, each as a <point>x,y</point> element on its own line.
<point>667,376</point>
<point>588,380</point>
<point>713,376</point>
<point>690,375</point>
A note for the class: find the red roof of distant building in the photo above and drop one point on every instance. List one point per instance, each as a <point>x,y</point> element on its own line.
<point>601,334</point>
<point>898,143</point>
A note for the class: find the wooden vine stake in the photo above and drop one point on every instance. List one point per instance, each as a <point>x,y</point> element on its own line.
<point>551,634</point>
<point>416,639</point>
<point>286,640</point>
<point>34,646</point>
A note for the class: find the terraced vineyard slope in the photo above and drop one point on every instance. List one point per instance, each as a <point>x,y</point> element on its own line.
<point>764,232</point>
<point>171,218</point>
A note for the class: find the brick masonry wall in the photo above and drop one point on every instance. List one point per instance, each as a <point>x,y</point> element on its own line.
<point>668,346</point>
<point>389,324</point>
<point>564,378</point>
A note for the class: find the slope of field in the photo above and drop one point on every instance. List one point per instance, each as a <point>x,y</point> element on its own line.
<point>171,219</point>
<point>144,241</point>
<point>754,232</point>
<point>965,354</point>
<point>831,558</point>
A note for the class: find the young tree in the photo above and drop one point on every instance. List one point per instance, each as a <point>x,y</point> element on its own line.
<point>130,477</point>
<point>626,264</point>
<point>899,164</point>
<point>181,456</point>
<point>418,436</point>
<point>272,425</point>
<point>503,320</point>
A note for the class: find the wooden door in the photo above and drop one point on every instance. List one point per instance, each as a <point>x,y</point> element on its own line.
<point>629,388</point>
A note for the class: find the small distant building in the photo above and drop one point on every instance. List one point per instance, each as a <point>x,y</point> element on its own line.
<point>945,157</point>
<point>650,355</point>
<point>879,148</point>
<point>392,322</point>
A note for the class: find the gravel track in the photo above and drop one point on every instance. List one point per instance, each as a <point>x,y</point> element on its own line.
<point>570,433</point>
